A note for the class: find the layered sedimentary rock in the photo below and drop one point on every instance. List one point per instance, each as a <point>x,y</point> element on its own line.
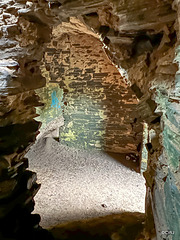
<point>21,46</point>
<point>142,39</point>
<point>99,109</point>
<point>145,48</point>
<point>147,54</point>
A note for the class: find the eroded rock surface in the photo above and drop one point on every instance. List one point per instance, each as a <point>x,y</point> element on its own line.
<point>142,39</point>
<point>98,107</point>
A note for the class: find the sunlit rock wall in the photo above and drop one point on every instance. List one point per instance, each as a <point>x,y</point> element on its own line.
<point>99,109</point>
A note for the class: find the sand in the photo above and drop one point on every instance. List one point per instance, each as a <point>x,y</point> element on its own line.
<point>80,184</point>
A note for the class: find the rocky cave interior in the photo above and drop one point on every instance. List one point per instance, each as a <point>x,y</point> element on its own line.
<point>89,90</point>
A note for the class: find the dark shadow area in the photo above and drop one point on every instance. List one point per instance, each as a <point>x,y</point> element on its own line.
<point>130,160</point>
<point>125,226</point>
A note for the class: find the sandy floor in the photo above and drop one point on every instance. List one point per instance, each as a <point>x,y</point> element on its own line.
<point>80,184</point>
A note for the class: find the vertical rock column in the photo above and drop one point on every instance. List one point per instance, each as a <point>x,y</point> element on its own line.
<point>24,32</point>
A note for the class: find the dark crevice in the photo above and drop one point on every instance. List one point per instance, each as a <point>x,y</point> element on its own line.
<point>145,43</point>
<point>156,39</point>
<point>55,5</point>
<point>106,41</point>
<point>139,147</point>
<point>93,14</point>
<point>149,147</point>
<point>137,90</point>
<point>173,38</point>
<point>151,104</point>
<point>156,120</point>
<point>104,29</point>
<point>148,61</point>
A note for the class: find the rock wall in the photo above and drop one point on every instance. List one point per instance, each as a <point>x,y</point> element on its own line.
<point>142,40</point>
<point>144,48</point>
<point>23,39</point>
<point>51,96</point>
<point>100,110</point>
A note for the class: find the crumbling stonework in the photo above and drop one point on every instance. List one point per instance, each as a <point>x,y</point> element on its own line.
<point>142,40</point>
<point>99,109</point>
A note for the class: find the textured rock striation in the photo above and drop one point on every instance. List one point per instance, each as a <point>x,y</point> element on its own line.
<point>142,39</point>
<point>98,107</point>
<point>23,36</point>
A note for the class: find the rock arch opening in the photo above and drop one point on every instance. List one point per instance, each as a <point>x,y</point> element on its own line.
<point>92,112</point>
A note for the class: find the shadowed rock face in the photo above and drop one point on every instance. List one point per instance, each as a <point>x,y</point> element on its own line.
<point>142,39</point>
<point>116,227</point>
